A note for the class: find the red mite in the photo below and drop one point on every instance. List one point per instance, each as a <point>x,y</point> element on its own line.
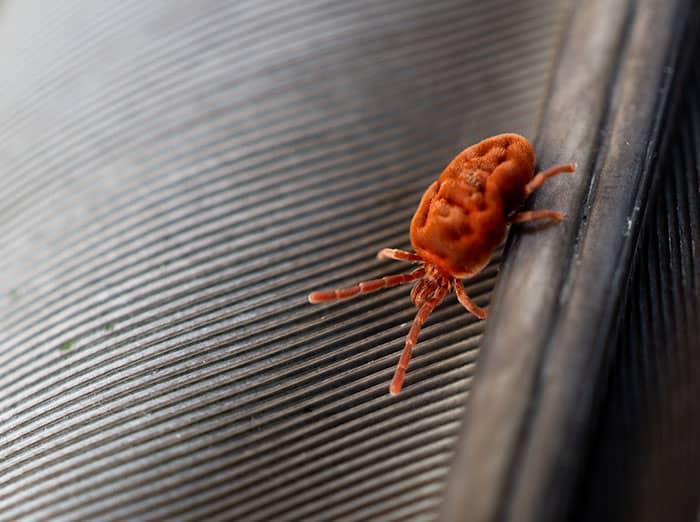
<point>460,220</point>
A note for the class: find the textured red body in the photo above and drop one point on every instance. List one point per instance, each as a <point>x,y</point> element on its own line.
<point>461,219</point>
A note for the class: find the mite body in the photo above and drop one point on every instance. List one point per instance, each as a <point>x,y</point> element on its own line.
<point>462,217</point>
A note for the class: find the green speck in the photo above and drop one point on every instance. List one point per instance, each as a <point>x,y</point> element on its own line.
<point>14,294</point>
<point>109,327</point>
<point>67,346</point>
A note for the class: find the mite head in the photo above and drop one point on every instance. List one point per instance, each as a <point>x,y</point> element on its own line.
<point>432,284</point>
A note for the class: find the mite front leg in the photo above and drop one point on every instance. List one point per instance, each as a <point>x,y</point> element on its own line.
<point>467,303</point>
<point>539,178</point>
<point>412,338</point>
<point>531,215</point>
<point>398,255</point>
<point>365,287</point>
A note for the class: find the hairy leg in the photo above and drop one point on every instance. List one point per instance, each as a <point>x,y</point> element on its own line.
<point>412,338</point>
<point>365,287</point>
<point>539,178</point>
<point>467,303</point>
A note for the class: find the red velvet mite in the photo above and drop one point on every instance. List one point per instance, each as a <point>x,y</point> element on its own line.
<point>461,219</point>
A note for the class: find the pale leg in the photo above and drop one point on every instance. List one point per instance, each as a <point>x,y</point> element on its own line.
<point>366,286</point>
<point>398,255</point>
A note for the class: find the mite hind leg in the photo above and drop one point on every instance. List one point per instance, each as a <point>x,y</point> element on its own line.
<point>412,338</point>
<point>467,303</point>
<point>398,255</point>
<point>538,180</point>
<point>365,287</point>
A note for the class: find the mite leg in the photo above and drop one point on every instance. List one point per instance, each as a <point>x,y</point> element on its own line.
<point>539,178</point>
<point>411,339</point>
<point>398,255</point>
<point>530,215</point>
<point>366,286</point>
<point>467,303</point>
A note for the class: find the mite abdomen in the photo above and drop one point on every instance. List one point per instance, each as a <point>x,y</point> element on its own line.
<point>457,231</point>
<point>462,216</point>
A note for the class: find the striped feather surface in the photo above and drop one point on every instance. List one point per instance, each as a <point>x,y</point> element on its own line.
<point>175,177</point>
